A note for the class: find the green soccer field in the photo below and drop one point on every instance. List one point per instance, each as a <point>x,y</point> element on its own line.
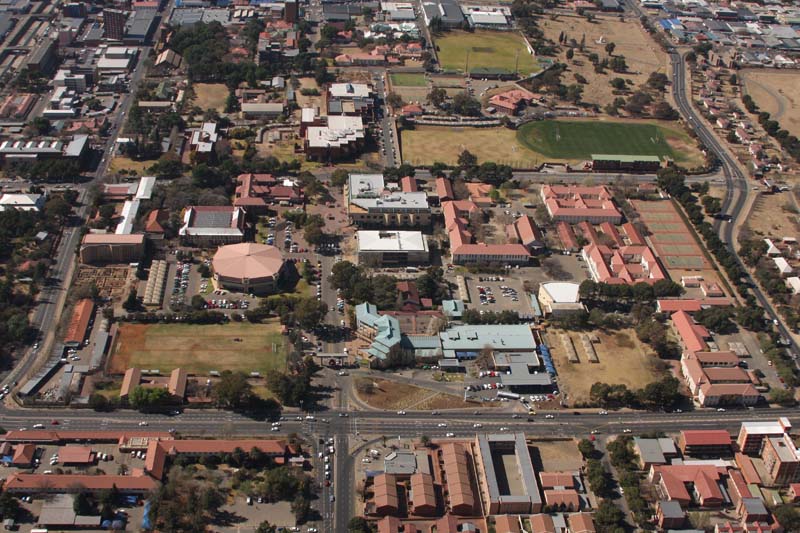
<point>237,346</point>
<point>485,49</point>
<point>401,79</point>
<point>581,139</point>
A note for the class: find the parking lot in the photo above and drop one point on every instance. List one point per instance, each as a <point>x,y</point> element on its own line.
<point>498,293</point>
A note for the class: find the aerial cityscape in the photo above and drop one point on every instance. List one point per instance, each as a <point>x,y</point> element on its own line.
<point>430,266</point>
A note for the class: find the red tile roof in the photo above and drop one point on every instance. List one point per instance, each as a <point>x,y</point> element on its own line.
<point>76,482</point>
<point>79,323</point>
<point>45,435</point>
<point>748,469</point>
<point>568,498</point>
<point>691,334</point>
<point>542,523</point>
<point>422,492</point>
<point>444,189</point>
<point>507,524</point>
<point>23,454</point>
<point>706,437</point>
<point>408,184</point>
<point>580,202</point>
<point>458,478</point>
<point>581,523</point>
<point>567,236</point>
<point>385,493</point>
<point>549,480</point>
<point>76,455</point>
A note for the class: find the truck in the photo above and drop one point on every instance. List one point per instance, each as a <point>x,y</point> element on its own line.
<point>509,395</point>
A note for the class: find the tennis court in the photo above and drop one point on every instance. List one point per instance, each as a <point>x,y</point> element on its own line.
<point>671,237</point>
<point>685,262</point>
<point>678,249</point>
<point>666,227</point>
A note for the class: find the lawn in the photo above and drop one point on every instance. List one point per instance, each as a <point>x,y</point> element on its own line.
<point>132,167</point>
<point>580,139</point>
<point>485,49</point>
<point>210,95</point>
<point>200,348</point>
<point>622,359</point>
<point>410,79</point>
<point>393,395</point>
<point>426,144</point>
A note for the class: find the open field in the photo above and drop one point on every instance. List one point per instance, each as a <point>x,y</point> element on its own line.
<point>548,141</point>
<point>777,92</point>
<point>309,101</point>
<point>629,40</point>
<point>556,456</point>
<point>393,395</point>
<point>199,348</point>
<point>210,95</point>
<point>427,144</point>
<point>408,79</point>
<point>484,49</point>
<point>622,359</point>
<point>132,167</point>
<point>773,215</point>
<point>579,139</point>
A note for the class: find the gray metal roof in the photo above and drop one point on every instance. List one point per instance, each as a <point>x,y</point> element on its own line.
<point>516,441</point>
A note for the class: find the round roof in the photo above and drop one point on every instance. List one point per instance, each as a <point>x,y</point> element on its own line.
<point>247,260</point>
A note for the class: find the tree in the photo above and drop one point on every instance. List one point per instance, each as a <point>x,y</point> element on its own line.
<point>339,177</point>
<point>618,84</point>
<point>586,447</point>
<point>782,397</point>
<point>232,103</point>
<point>787,516</point>
<point>301,507</point>
<point>40,126</point>
<point>266,527</point>
<point>309,312</point>
<point>131,304</point>
<point>464,104</point>
<point>657,81</point>
<point>147,399</point>
<point>425,440</point>
<point>98,402</point>
<point>232,390</point>
<point>610,48</point>
<point>608,516</point>
<point>394,100</point>
<point>618,64</point>
<point>570,54</point>
<point>358,524</point>
<point>198,302</point>
<point>437,97</point>
<point>82,505</point>
<point>662,110</point>
<point>313,235</point>
<point>467,160</point>
<point>9,505</point>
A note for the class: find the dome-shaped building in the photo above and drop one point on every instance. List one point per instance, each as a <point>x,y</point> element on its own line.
<point>248,267</point>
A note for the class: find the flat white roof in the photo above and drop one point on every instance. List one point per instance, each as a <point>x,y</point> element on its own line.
<point>391,241</point>
<point>145,189</point>
<point>129,210</point>
<point>350,90</point>
<point>562,292</point>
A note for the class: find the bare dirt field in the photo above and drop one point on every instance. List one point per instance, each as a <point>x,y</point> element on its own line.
<point>622,359</point>
<point>556,455</point>
<point>641,54</point>
<point>210,95</point>
<point>777,92</point>
<point>393,395</point>
<point>138,168</point>
<point>317,102</point>
<point>773,215</point>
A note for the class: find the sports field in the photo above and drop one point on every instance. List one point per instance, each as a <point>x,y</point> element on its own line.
<point>580,139</point>
<point>408,79</point>
<point>199,348</point>
<point>485,49</point>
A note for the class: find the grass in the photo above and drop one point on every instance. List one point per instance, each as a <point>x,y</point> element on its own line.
<point>486,49</point>
<point>200,348</point>
<point>393,395</point>
<point>623,359</point>
<point>580,139</point>
<point>425,145</point>
<point>408,79</point>
<point>210,95</point>
<point>125,163</point>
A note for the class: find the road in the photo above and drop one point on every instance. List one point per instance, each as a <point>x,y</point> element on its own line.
<point>737,186</point>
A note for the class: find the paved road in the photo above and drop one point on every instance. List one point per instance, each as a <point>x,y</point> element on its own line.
<point>737,186</point>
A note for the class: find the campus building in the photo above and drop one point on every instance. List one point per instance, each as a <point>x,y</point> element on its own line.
<point>210,225</point>
<point>781,460</point>
<point>627,264</point>
<point>752,434</point>
<point>392,248</point>
<point>558,298</point>
<point>111,248</point>
<point>248,267</point>
<point>256,192</point>
<point>371,203</point>
<point>462,248</point>
<point>573,204</point>
<point>507,481</point>
<point>333,137</point>
<point>524,231</point>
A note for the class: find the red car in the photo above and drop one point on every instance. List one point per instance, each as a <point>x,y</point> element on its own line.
<point>54,422</point>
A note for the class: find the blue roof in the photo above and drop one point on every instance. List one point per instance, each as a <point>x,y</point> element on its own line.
<point>453,308</point>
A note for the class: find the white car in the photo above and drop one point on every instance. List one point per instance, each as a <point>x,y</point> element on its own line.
<point>503,428</point>
<point>442,425</point>
<point>450,434</point>
<point>401,413</point>
<point>603,412</point>
<point>477,425</point>
<point>549,416</point>
<point>143,423</point>
<point>626,430</point>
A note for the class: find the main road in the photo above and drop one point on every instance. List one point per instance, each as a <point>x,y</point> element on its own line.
<point>737,186</point>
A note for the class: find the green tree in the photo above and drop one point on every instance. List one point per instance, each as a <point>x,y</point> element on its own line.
<point>610,48</point>
<point>586,447</point>
<point>358,524</point>
<point>232,390</point>
<point>339,177</point>
<point>9,505</point>
<point>131,304</point>
<point>607,516</point>
<point>198,302</point>
<point>437,97</point>
<point>394,100</point>
<point>309,313</point>
<point>266,527</point>
<point>788,516</point>
<point>467,160</point>
<point>782,397</point>
<point>82,505</point>
<point>149,399</point>
<point>618,83</point>
<point>570,54</point>
<point>464,104</point>
<point>232,103</point>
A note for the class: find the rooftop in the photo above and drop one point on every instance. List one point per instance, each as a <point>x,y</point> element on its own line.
<point>391,241</point>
